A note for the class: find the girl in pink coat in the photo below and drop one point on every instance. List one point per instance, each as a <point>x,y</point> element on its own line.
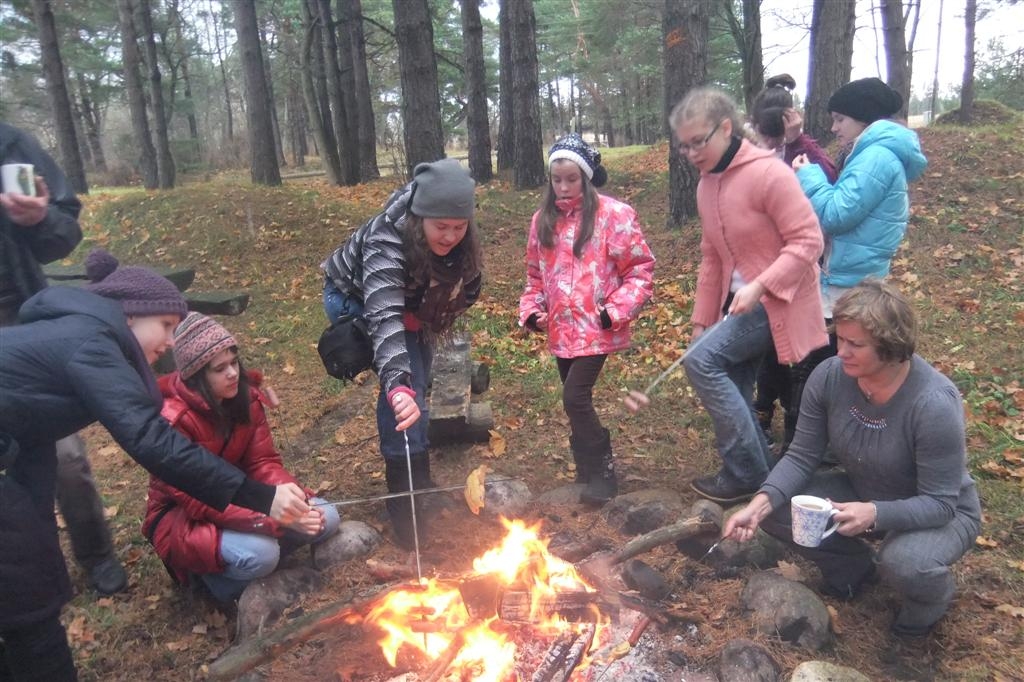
<point>760,243</point>
<point>588,273</point>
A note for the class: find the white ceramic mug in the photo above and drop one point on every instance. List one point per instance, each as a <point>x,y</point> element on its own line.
<point>810,519</point>
<point>18,178</point>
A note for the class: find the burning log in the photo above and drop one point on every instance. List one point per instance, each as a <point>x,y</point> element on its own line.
<point>574,606</point>
<point>440,666</point>
<point>706,517</point>
<point>564,655</point>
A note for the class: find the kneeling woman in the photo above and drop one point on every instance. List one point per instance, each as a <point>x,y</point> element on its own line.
<point>213,401</point>
<point>896,425</point>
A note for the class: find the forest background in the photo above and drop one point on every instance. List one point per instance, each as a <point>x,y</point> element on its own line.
<point>190,188</point>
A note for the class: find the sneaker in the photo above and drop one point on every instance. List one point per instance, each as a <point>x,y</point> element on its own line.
<point>108,577</point>
<point>719,488</point>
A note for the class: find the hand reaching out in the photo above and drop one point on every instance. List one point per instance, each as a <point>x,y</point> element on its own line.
<point>25,210</point>
<point>289,504</point>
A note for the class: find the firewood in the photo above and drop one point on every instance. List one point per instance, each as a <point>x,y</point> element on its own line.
<point>660,536</point>
<point>574,606</point>
<point>243,657</point>
<point>440,665</point>
<point>387,572</point>
<point>564,655</point>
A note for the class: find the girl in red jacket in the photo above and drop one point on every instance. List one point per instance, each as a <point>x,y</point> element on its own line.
<point>212,400</point>
<point>588,273</point>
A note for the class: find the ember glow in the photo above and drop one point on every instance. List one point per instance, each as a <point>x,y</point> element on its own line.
<point>431,616</point>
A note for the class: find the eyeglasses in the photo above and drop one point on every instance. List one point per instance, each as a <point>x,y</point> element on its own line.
<point>685,149</point>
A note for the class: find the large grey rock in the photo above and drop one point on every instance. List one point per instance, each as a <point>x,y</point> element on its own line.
<point>745,661</point>
<point>264,600</point>
<point>562,496</point>
<point>508,498</point>
<point>823,671</point>
<point>354,539</point>
<point>644,510</point>
<point>787,609</point>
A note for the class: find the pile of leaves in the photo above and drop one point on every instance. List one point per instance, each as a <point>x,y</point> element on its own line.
<point>961,264</point>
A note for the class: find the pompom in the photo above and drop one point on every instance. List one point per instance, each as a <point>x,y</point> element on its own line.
<point>600,177</point>
<point>99,264</point>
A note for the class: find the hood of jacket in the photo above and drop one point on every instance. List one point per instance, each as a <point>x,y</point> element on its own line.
<point>900,140</point>
<point>59,301</point>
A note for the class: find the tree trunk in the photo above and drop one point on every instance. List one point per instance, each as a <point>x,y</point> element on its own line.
<point>528,170</point>
<point>56,87</point>
<point>321,128</point>
<point>352,18</point>
<point>686,28</point>
<point>278,145</point>
<point>506,109</point>
<point>78,117</point>
<point>131,59</point>
<point>91,121</point>
<point>747,36</point>
<point>967,89</point>
<point>346,73</point>
<point>164,161</point>
<point>832,26</point>
<point>421,106</point>
<point>348,153</point>
<point>229,125</point>
<point>895,35</point>
<point>477,122</point>
<point>265,170</point>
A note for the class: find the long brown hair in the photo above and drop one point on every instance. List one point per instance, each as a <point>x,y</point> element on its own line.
<point>226,413</point>
<point>418,254</point>
<point>547,216</point>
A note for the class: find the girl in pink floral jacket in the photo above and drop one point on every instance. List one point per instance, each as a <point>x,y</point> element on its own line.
<point>588,273</point>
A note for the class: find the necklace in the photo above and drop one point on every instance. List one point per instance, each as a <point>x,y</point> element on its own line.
<point>896,380</point>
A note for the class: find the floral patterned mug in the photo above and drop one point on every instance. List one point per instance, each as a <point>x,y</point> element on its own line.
<point>810,519</point>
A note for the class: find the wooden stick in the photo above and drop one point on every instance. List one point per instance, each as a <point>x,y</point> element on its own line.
<point>680,529</point>
<point>564,655</point>
<point>242,658</point>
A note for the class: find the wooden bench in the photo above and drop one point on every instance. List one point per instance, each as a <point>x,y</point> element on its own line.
<point>206,302</point>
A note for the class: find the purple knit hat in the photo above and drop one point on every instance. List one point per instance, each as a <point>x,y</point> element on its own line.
<point>196,341</point>
<point>140,290</point>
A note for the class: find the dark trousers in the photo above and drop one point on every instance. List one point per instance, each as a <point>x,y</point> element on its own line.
<point>37,652</point>
<point>80,504</point>
<point>578,378</point>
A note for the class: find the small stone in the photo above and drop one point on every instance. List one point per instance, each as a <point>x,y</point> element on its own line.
<point>745,661</point>
<point>354,539</point>
<point>264,600</point>
<point>823,671</point>
<point>509,498</point>
<point>644,510</point>
<point>648,582</point>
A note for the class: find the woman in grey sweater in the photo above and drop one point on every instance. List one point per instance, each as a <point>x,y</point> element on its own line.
<point>896,426</point>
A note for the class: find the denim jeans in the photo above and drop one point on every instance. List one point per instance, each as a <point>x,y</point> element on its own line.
<point>337,303</point>
<point>392,443</point>
<point>250,556</point>
<point>914,563</point>
<point>421,358</point>
<point>722,366</point>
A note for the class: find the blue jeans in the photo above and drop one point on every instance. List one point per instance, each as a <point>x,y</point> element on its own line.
<point>722,366</point>
<point>250,556</point>
<point>914,563</point>
<point>421,358</point>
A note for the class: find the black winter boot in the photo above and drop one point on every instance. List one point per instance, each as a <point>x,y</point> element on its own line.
<point>580,458</point>
<point>400,508</point>
<point>602,485</point>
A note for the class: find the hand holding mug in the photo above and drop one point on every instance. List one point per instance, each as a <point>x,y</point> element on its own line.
<point>24,209</point>
<point>855,517</point>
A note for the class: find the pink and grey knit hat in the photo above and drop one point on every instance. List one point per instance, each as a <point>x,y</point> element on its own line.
<point>140,291</point>
<point>196,341</point>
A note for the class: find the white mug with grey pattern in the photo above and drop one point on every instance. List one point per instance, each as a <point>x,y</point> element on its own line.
<point>810,519</point>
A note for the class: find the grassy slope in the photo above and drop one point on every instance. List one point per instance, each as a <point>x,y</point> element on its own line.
<point>961,263</point>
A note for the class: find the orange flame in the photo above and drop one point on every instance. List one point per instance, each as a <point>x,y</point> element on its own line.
<point>428,616</point>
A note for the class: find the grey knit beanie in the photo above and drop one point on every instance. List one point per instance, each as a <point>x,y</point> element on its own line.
<point>443,189</point>
<point>140,290</point>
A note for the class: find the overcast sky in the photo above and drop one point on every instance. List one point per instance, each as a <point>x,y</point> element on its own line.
<point>785,47</point>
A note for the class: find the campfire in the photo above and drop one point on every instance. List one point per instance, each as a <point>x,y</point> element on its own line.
<point>487,626</point>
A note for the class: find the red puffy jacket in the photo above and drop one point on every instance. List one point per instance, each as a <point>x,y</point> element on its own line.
<point>187,532</point>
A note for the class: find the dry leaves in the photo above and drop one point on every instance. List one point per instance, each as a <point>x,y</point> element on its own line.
<point>497,444</point>
<point>790,571</point>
